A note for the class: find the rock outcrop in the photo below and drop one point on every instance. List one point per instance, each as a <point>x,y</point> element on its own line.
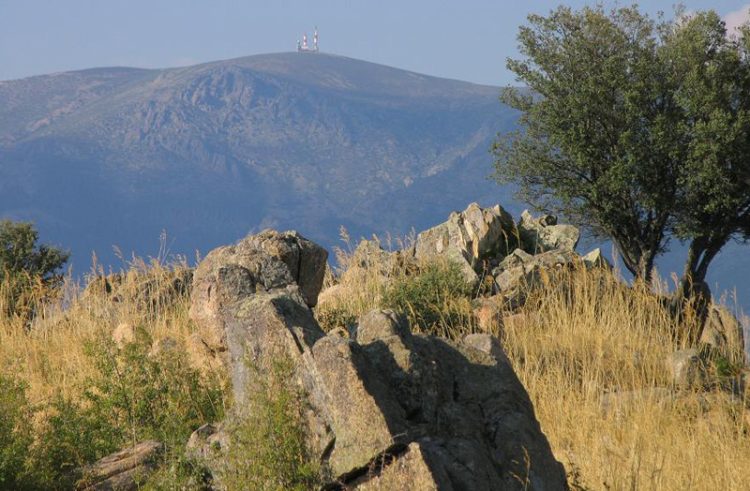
<point>264,263</point>
<point>520,272</point>
<point>544,234</point>
<point>470,238</point>
<point>387,403</point>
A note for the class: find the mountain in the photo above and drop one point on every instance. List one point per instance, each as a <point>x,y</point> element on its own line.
<point>113,156</point>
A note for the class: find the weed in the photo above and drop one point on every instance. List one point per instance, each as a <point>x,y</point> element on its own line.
<point>269,449</point>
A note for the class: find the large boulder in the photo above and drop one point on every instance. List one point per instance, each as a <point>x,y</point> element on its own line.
<point>470,238</point>
<point>543,234</point>
<point>452,415</point>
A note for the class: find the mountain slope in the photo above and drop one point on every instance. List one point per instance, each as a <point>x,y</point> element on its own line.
<point>112,156</point>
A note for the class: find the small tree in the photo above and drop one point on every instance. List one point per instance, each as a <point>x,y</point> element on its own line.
<point>23,264</point>
<point>635,128</point>
<point>19,252</point>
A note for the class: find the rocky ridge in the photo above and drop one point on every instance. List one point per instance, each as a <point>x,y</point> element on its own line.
<point>390,408</point>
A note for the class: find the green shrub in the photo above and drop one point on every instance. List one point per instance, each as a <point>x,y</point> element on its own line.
<point>71,437</point>
<point>146,396</point>
<point>180,473</point>
<point>268,450</point>
<point>437,300</point>
<point>134,396</point>
<point>16,434</point>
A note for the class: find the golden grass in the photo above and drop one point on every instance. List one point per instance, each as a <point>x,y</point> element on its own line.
<point>49,354</point>
<point>582,338</point>
<point>610,339</point>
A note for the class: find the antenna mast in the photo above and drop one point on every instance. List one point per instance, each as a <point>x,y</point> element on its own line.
<point>304,47</point>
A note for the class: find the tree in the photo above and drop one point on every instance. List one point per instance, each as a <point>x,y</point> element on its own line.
<point>24,264</point>
<point>634,128</point>
<point>19,252</point>
<point>714,96</point>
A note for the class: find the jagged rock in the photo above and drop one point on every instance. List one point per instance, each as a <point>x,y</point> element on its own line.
<point>470,238</point>
<point>544,234</point>
<point>125,470</point>
<point>595,259</point>
<point>521,272</point>
<point>487,344</point>
<point>264,262</point>
<point>686,368</point>
<point>357,404</point>
<point>412,470</point>
<point>457,408</point>
<point>381,324</point>
<point>265,327</point>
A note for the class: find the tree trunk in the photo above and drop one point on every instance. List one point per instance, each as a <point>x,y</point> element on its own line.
<point>638,258</point>
<point>631,256</point>
<point>692,288</point>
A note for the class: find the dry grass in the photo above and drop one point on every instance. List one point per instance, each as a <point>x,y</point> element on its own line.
<point>49,354</point>
<point>583,337</point>
<point>575,345</point>
<point>591,352</point>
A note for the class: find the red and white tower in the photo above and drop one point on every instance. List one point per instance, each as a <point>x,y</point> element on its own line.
<point>304,47</point>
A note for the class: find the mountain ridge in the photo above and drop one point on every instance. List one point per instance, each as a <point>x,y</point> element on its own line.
<point>114,155</point>
<point>270,133</point>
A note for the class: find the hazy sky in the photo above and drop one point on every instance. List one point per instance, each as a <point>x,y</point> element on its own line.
<point>467,39</point>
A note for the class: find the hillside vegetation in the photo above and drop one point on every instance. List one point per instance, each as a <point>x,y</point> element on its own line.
<point>120,360</point>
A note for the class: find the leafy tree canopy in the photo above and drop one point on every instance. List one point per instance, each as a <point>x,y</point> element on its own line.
<point>636,128</point>
<point>20,253</point>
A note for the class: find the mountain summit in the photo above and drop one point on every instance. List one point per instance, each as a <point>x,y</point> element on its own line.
<point>209,152</point>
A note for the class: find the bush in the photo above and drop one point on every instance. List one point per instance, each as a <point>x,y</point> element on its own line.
<point>269,445</point>
<point>437,300</point>
<point>70,437</point>
<point>134,396</point>
<point>16,434</point>
<point>145,395</point>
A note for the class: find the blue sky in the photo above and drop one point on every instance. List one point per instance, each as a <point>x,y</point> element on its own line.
<point>466,40</point>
